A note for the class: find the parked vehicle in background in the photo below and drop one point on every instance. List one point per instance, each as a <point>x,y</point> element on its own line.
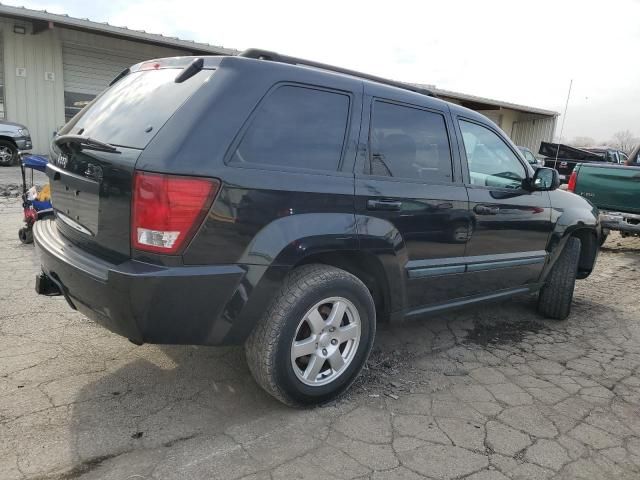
<point>297,222</point>
<point>564,158</point>
<point>615,190</point>
<point>14,139</point>
<point>634,157</point>
<point>609,154</point>
<point>531,158</point>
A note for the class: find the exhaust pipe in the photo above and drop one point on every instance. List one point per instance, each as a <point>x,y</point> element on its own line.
<point>51,286</point>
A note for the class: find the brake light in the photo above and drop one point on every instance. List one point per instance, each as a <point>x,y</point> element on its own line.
<point>571,186</point>
<point>150,66</point>
<point>168,209</point>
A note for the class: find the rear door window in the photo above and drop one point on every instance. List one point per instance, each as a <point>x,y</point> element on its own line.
<point>409,143</point>
<point>296,127</point>
<point>131,112</point>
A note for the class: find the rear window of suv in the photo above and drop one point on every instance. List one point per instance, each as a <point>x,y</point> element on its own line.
<point>296,127</point>
<point>130,113</point>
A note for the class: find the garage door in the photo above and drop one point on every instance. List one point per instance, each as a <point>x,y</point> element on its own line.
<point>88,71</point>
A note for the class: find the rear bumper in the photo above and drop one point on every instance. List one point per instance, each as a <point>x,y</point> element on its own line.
<point>140,301</point>
<point>623,222</point>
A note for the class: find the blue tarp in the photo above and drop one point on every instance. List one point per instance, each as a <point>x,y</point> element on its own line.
<point>35,161</point>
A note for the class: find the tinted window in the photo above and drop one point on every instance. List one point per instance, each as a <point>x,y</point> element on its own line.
<point>491,162</point>
<point>123,114</point>
<point>409,143</point>
<point>297,127</point>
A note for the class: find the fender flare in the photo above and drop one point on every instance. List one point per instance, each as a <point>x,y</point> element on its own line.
<point>558,240</point>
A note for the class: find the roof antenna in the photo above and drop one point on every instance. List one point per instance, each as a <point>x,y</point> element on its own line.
<point>564,117</point>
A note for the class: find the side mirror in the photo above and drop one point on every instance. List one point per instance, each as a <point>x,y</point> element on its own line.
<point>545,179</point>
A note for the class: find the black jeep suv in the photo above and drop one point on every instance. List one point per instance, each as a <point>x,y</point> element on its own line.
<point>289,206</point>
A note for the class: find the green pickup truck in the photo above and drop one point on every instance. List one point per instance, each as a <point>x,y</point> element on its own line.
<point>615,190</point>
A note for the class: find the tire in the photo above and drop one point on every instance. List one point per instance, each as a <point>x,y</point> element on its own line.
<point>25,235</point>
<point>272,358</point>
<point>556,296</point>
<point>8,153</point>
<point>603,236</point>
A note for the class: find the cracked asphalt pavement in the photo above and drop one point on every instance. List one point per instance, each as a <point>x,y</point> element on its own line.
<point>492,392</point>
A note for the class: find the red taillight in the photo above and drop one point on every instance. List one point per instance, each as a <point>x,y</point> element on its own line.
<point>168,209</point>
<point>571,186</point>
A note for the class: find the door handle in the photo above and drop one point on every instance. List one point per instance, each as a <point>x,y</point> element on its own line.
<point>389,205</point>
<point>485,210</point>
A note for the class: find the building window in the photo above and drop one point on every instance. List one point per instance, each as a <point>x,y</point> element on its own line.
<point>74,102</point>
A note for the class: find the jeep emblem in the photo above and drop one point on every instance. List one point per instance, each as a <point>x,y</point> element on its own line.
<point>61,161</point>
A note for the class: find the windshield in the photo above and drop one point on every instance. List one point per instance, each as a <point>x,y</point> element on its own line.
<point>528,156</point>
<point>131,112</point>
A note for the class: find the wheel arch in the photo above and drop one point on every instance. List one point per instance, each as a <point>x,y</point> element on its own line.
<point>588,236</point>
<point>9,139</point>
<point>366,267</point>
<point>589,247</point>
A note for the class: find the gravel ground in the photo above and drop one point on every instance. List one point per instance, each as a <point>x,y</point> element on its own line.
<point>11,180</point>
<point>492,392</point>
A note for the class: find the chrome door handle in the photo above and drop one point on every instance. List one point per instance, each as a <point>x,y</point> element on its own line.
<point>485,210</point>
<point>388,205</point>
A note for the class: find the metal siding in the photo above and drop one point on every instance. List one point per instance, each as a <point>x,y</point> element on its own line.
<point>529,133</point>
<point>32,100</point>
<point>91,61</point>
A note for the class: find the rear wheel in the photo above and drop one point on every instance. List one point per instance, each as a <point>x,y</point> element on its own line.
<point>557,294</point>
<point>8,153</point>
<point>312,342</point>
<point>25,235</point>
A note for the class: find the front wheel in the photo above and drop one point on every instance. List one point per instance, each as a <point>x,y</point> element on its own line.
<point>604,235</point>
<point>557,294</point>
<point>8,153</point>
<point>316,336</point>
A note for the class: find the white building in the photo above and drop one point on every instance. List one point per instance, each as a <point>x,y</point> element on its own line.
<point>51,65</point>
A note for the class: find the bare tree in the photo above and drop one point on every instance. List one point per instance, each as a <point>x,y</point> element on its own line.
<point>624,140</point>
<point>582,142</point>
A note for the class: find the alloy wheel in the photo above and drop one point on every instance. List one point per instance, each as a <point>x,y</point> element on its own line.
<point>326,341</point>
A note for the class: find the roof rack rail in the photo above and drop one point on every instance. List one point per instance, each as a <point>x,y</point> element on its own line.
<point>259,54</point>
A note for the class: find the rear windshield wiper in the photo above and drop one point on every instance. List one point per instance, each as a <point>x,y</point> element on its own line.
<point>86,142</point>
<point>190,70</point>
<point>122,74</point>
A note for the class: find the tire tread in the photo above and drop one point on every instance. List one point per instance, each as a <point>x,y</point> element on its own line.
<point>260,347</point>
<point>557,294</point>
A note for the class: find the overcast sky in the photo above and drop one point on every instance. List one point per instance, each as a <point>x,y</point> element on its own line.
<point>522,52</point>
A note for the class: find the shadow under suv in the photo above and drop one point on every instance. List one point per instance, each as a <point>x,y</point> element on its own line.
<point>289,206</point>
